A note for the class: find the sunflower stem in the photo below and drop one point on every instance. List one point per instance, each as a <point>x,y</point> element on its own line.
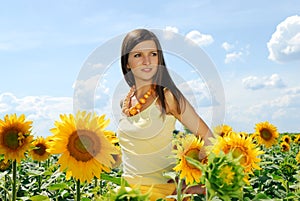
<point>47,163</point>
<point>39,179</point>
<point>5,186</point>
<point>14,184</point>
<point>260,171</point>
<point>96,182</point>
<point>78,190</point>
<point>179,187</point>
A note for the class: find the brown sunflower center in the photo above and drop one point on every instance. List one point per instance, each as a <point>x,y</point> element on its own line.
<point>265,134</point>
<point>10,139</point>
<point>83,145</point>
<point>40,149</point>
<point>192,153</point>
<point>285,147</point>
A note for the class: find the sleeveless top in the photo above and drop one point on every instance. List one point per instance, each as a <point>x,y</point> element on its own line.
<point>146,144</point>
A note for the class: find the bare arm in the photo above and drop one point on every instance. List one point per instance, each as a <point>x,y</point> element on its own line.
<point>189,118</point>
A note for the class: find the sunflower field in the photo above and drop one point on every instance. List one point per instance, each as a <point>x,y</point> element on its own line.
<point>81,161</point>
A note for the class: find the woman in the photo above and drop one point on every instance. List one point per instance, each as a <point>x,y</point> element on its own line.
<point>149,113</point>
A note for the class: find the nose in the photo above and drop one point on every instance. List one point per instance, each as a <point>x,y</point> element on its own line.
<point>146,60</point>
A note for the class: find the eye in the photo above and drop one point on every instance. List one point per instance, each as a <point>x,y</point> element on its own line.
<point>137,55</point>
<point>154,54</point>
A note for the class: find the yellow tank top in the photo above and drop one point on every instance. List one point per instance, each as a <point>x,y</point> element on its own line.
<point>146,142</point>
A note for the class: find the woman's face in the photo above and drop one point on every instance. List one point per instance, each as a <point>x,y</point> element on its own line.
<point>143,60</point>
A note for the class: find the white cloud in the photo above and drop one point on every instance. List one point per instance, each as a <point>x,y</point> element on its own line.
<point>234,53</point>
<point>284,44</point>
<point>274,81</point>
<point>194,37</point>
<point>169,32</point>
<point>294,90</point>
<point>236,114</point>
<point>85,91</point>
<point>196,92</point>
<point>282,103</point>
<point>283,112</point>
<point>254,83</point>
<point>227,46</point>
<point>42,110</point>
<point>234,56</point>
<point>7,100</point>
<point>199,38</point>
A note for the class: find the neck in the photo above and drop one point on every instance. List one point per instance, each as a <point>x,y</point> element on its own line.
<point>142,88</point>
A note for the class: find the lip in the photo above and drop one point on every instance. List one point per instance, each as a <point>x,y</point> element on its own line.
<point>146,70</point>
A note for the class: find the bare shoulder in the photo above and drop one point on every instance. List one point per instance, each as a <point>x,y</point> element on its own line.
<point>169,96</point>
<point>171,102</point>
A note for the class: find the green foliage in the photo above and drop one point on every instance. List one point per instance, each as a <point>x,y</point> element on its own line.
<point>44,181</point>
<point>124,193</point>
<point>278,179</point>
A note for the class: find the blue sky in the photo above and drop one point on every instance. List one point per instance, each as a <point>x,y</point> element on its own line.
<point>255,46</point>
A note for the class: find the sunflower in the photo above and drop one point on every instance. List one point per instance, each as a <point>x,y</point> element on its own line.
<point>190,146</point>
<point>84,148</point>
<point>178,134</point>
<point>297,139</point>
<point>111,136</point>
<point>4,164</point>
<point>241,147</point>
<point>15,138</point>
<point>266,134</point>
<point>298,157</point>
<point>286,139</point>
<point>223,176</point>
<point>288,167</point>
<point>227,175</point>
<point>244,134</point>
<point>285,146</point>
<point>222,130</point>
<point>39,152</point>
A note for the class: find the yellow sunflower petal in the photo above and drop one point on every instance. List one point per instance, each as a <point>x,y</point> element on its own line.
<point>242,147</point>
<point>84,148</point>
<point>266,134</point>
<point>286,139</point>
<point>189,146</point>
<point>222,130</point>
<point>298,157</point>
<point>15,138</point>
<point>39,152</point>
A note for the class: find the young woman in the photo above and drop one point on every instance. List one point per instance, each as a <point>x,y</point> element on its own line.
<point>149,113</point>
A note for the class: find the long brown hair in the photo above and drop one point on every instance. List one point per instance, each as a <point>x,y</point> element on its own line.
<point>162,78</point>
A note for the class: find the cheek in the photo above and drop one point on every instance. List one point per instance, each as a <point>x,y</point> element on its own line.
<point>134,63</point>
<point>154,60</point>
